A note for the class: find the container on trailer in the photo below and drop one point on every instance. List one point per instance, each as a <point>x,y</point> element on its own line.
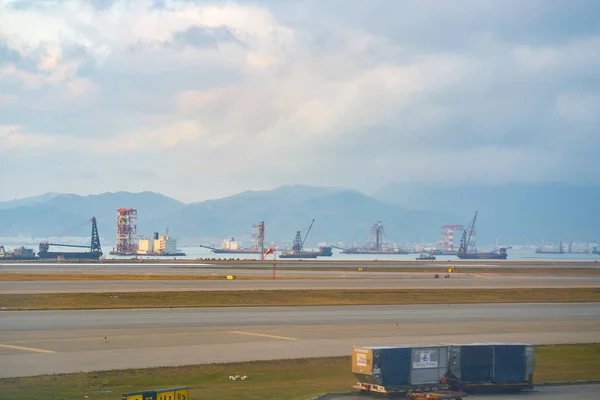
<point>491,365</point>
<point>400,366</point>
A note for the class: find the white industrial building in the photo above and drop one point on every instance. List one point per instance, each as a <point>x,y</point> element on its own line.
<point>158,245</point>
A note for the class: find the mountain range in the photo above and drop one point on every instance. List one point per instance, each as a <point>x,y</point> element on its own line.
<point>410,213</point>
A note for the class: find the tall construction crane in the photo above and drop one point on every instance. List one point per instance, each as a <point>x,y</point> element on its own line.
<point>95,250</point>
<point>464,242</point>
<point>298,244</point>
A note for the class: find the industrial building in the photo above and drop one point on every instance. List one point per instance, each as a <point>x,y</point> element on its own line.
<point>158,245</point>
<point>230,244</point>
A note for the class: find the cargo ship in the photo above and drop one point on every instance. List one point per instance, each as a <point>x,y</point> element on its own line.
<point>17,254</point>
<point>94,253</point>
<point>582,251</point>
<point>465,241</point>
<point>561,250</point>
<point>324,251</point>
<point>492,255</point>
<point>439,252</point>
<point>298,251</point>
<point>230,246</point>
<point>376,244</point>
<point>356,250</point>
<point>426,257</point>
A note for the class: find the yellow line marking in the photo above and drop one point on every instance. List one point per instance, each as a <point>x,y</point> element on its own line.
<point>8,346</point>
<point>263,335</point>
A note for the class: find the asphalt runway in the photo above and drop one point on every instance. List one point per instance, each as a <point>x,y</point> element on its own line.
<point>568,392</point>
<point>328,281</point>
<point>195,268</point>
<point>42,342</point>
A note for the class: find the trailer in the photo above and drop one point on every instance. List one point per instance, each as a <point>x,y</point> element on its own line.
<point>437,395</point>
<point>434,392</point>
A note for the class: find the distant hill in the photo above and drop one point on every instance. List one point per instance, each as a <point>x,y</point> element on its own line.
<point>414,213</point>
<point>510,213</point>
<point>28,201</point>
<point>340,215</point>
<point>66,214</point>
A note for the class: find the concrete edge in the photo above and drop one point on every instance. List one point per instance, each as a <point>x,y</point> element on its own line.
<point>568,383</point>
<point>325,396</point>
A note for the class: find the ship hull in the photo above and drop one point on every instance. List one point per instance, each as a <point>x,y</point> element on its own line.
<point>374,252</point>
<point>483,256</point>
<point>307,254</point>
<point>325,251</point>
<point>549,252</point>
<point>70,255</point>
<point>16,258</point>
<point>445,253</point>
<point>241,251</point>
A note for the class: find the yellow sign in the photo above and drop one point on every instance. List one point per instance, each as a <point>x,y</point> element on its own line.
<point>183,394</point>
<point>165,396</point>
<point>134,397</point>
<point>230,277</point>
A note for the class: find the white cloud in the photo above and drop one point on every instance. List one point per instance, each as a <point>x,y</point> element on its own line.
<point>284,99</point>
<point>12,138</point>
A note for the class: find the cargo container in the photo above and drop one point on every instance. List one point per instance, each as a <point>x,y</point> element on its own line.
<point>399,368</point>
<point>490,366</point>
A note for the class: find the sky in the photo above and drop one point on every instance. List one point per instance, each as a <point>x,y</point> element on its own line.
<point>203,99</point>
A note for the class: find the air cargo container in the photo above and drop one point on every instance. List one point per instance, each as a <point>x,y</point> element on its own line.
<point>490,367</point>
<point>399,368</point>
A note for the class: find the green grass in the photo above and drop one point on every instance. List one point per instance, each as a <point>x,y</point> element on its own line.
<point>567,363</point>
<point>58,301</point>
<point>289,379</point>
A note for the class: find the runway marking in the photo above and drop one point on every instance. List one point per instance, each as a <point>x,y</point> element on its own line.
<point>263,335</point>
<point>8,346</point>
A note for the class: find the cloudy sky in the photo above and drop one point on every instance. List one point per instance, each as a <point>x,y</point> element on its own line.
<point>201,99</point>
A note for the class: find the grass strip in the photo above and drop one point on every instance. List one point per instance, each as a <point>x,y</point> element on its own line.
<point>60,301</point>
<point>268,380</point>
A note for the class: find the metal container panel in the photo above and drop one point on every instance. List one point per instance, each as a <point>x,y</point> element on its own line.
<point>429,364</point>
<point>477,363</point>
<point>498,363</point>
<point>362,360</point>
<point>530,360</point>
<point>384,366</point>
<point>510,364</point>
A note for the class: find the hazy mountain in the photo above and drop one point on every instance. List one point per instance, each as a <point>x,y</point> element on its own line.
<point>67,214</point>
<point>511,213</point>
<point>339,215</point>
<point>27,201</point>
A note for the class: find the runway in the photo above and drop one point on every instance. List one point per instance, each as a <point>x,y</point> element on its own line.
<point>33,343</point>
<point>331,282</point>
<point>196,267</point>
